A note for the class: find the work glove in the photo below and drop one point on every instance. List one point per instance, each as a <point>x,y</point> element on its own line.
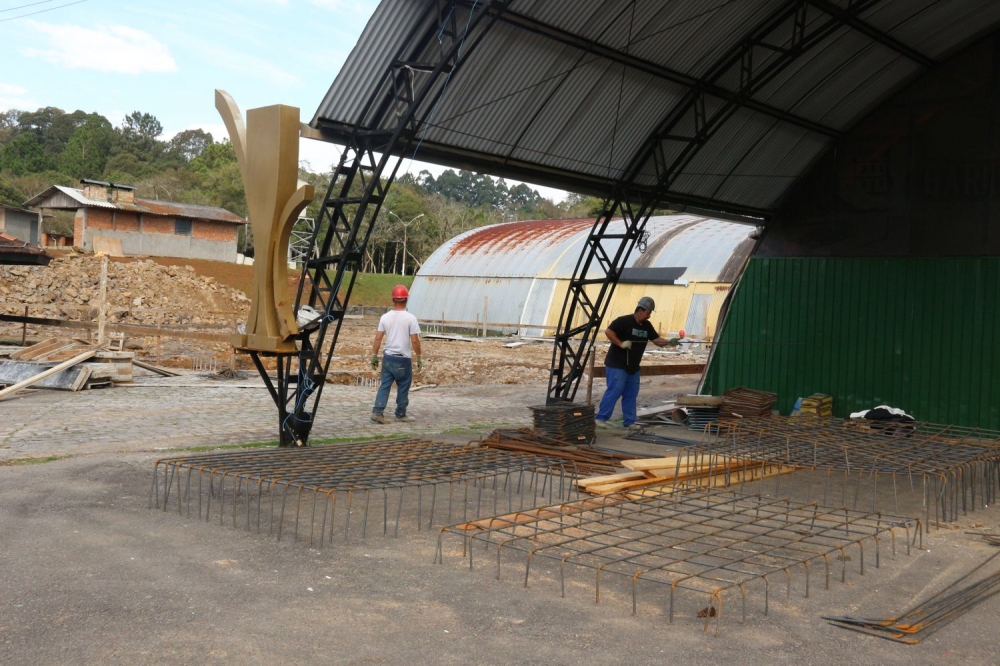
<point>374,362</point>
<point>420,365</point>
<point>627,344</point>
<point>674,342</point>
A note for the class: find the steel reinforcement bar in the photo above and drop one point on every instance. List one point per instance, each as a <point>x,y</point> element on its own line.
<point>705,542</point>
<point>325,489</point>
<point>954,469</point>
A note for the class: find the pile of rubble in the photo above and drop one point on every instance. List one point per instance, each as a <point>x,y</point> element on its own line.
<point>140,292</point>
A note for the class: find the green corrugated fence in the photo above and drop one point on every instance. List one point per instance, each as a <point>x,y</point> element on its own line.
<point>922,334</point>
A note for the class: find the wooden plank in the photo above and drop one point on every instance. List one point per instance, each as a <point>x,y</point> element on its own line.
<point>644,464</point>
<point>35,350</point>
<point>81,378</point>
<point>610,478</point>
<point>662,370</point>
<point>10,390</point>
<point>153,368</point>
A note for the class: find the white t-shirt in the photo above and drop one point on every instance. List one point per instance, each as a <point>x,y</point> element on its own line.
<point>398,326</point>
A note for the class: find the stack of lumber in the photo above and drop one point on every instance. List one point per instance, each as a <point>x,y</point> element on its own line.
<point>583,460</point>
<point>818,404</point>
<point>747,403</point>
<point>567,421</point>
<point>663,474</point>
<point>64,364</point>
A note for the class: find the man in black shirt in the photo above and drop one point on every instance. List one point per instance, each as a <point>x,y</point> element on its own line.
<point>628,335</point>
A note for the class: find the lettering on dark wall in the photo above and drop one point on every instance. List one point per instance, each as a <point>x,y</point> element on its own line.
<point>951,181</point>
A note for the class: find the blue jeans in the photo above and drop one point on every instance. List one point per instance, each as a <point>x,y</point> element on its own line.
<point>397,369</point>
<point>620,385</point>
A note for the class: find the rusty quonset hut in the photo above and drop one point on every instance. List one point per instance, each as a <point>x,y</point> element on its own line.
<point>513,277</point>
<point>860,134</point>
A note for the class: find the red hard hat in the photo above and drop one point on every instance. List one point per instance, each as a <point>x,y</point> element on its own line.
<point>399,293</point>
<point>682,333</point>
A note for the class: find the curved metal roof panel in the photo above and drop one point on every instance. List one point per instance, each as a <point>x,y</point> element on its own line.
<point>719,104</point>
<point>551,248</point>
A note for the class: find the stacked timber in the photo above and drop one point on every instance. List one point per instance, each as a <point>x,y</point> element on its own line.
<point>747,403</point>
<point>818,404</point>
<point>660,475</point>
<point>65,364</point>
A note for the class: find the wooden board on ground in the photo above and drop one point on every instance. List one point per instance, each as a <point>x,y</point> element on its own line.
<point>40,373</point>
<point>70,379</point>
<point>610,478</point>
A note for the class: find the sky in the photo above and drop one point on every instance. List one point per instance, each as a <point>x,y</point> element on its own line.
<point>167,57</point>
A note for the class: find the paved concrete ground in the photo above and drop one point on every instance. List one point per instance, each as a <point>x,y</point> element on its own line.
<point>90,575</point>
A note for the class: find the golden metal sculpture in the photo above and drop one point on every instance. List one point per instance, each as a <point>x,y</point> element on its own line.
<point>267,150</point>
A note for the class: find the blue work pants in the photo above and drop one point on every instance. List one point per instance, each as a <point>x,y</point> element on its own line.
<point>620,385</point>
<point>397,369</point>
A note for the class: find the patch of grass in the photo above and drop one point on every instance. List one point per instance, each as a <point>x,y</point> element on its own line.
<point>472,428</point>
<point>375,289</point>
<point>28,461</point>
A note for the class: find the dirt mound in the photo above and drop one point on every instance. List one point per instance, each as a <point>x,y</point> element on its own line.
<point>139,292</point>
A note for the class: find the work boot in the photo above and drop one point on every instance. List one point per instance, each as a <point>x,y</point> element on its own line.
<point>603,425</point>
<point>405,419</point>
<point>380,418</point>
<point>635,427</point>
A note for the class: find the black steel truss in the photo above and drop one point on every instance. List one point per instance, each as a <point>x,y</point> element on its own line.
<point>402,100</point>
<point>575,338</point>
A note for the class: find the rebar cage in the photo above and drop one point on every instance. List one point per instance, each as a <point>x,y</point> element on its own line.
<point>944,470</point>
<point>705,542</point>
<point>326,489</point>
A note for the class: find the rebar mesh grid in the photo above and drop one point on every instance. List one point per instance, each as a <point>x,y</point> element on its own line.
<point>326,489</point>
<point>949,469</point>
<point>703,542</point>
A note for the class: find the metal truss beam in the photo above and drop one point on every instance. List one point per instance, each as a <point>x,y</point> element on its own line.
<point>691,123</point>
<point>400,103</point>
<point>755,73</point>
<point>590,290</point>
<point>849,17</point>
<point>647,67</point>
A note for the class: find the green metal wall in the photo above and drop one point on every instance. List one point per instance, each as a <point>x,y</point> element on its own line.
<point>922,334</point>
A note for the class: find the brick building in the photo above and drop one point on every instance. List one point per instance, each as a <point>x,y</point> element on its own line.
<point>144,226</point>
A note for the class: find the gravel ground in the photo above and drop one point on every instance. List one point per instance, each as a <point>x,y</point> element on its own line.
<point>90,575</point>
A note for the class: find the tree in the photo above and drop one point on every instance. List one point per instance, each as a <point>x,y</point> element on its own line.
<point>139,135</point>
<point>214,157</point>
<point>8,125</point>
<point>25,154</point>
<point>61,127</point>
<point>189,144</point>
<point>86,153</point>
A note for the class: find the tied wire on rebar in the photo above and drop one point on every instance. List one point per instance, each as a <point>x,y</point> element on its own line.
<point>706,542</point>
<point>920,621</point>
<point>325,489</point>
<point>954,469</point>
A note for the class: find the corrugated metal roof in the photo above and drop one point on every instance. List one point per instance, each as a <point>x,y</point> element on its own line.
<point>549,105</point>
<point>144,206</point>
<point>550,249</point>
<point>16,251</point>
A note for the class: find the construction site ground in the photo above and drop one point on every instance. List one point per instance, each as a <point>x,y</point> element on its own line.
<point>90,574</point>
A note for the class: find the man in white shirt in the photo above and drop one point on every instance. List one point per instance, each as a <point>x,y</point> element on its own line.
<point>401,332</point>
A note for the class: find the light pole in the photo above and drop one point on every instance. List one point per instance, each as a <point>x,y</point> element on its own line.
<point>405,226</point>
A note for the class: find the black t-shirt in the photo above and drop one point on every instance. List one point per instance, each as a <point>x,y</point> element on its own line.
<point>627,328</point>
